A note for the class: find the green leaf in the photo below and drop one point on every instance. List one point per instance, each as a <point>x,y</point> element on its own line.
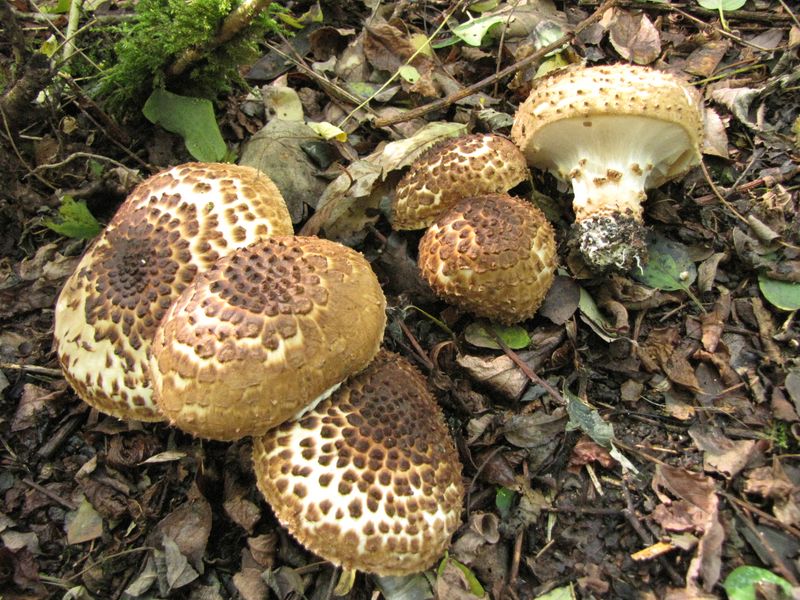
<point>587,419</point>
<point>781,294</point>
<point>409,73</point>
<point>473,31</point>
<point>669,268</point>
<point>503,500</point>
<point>562,593</point>
<point>722,4</point>
<point>591,315</point>
<point>475,587</point>
<point>74,220</point>
<point>192,119</point>
<point>513,336</point>
<point>740,583</point>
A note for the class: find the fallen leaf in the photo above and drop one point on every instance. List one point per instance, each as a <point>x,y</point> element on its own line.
<point>704,60</point>
<point>84,524</point>
<point>721,454</point>
<point>634,37</point>
<point>277,151</point>
<point>715,135</point>
<point>562,300</point>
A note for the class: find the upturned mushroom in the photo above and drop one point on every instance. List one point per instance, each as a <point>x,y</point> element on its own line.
<point>370,479</point>
<point>266,333</point>
<point>173,226</point>
<point>493,256</point>
<point>457,168</point>
<point>612,132</point>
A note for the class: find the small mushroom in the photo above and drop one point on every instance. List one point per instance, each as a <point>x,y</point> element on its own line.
<point>493,256</point>
<point>173,225</point>
<point>465,166</point>
<point>612,132</point>
<point>370,479</point>
<point>272,329</point>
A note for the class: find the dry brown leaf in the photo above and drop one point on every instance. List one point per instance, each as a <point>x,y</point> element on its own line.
<point>713,322</point>
<point>704,60</point>
<point>721,454</point>
<point>699,491</point>
<point>772,483</point>
<point>634,37</point>
<point>715,134</point>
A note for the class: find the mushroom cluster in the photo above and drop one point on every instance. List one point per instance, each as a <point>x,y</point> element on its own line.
<point>174,225</point>
<point>612,132</point>
<point>198,305</point>
<point>486,252</point>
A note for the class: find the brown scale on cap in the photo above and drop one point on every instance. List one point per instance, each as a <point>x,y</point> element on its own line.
<point>270,330</point>
<point>493,256</point>
<point>471,165</point>
<point>370,479</point>
<point>172,226</point>
<point>612,132</point>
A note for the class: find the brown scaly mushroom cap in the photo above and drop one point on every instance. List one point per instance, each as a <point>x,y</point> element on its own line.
<point>270,330</point>
<point>466,166</point>
<point>493,256</point>
<point>612,132</point>
<point>172,226</point>
<point>370,479</point>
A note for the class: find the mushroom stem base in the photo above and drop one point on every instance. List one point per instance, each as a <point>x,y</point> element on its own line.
<point>614,242</point>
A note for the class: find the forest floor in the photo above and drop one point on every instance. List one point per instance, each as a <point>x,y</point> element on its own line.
<point>669,455</point>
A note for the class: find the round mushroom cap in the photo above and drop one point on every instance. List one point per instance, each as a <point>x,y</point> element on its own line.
<point>643,121</point>
<point>458,168</point>
<point>493,256</point>
<point>370,479</point>
<point>173,226</point>
<point>270,330</point>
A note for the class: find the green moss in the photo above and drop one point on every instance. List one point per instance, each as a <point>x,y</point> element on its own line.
<point>162,31</point>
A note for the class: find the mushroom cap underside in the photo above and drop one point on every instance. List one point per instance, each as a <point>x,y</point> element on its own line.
<point>622,107</point>
<point>172,226</point>
<point>268,331</point>
<point>370,479</point>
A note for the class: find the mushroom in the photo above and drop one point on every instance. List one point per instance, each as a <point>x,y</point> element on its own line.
<point>493,256</point>
<point>172,226</point>
<point>465,166</point>
<point>370,479</point>
<point>612,132</point>
<point>272,329</point>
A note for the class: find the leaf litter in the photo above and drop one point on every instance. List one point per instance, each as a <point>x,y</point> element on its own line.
<point>670,470</point>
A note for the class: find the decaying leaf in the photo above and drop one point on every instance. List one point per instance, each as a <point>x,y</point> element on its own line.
<point>634,37</point>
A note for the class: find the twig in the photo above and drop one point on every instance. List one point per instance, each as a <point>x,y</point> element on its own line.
<point>630,514</point>
<point>513,572</point>
<point>791,14</point>
<point>53,496</point>
<point>109,123</point>
<point>232,25</point>
<point>415,344</point>
<point>510,70</point>
<point>777,563</point>
<point>72,27</point>
<point>767,180</point>
<point>526,369</point>
<point>31,369</point>
<point>74,156</point>
<point>717,193</point>
<point>61,436</point>
<point>767,517</point>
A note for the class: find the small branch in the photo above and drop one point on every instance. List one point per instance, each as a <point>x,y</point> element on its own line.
<point>32,369</point>
<point>72,29</point>
<point>234,23</point>
<point>510,70</point>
